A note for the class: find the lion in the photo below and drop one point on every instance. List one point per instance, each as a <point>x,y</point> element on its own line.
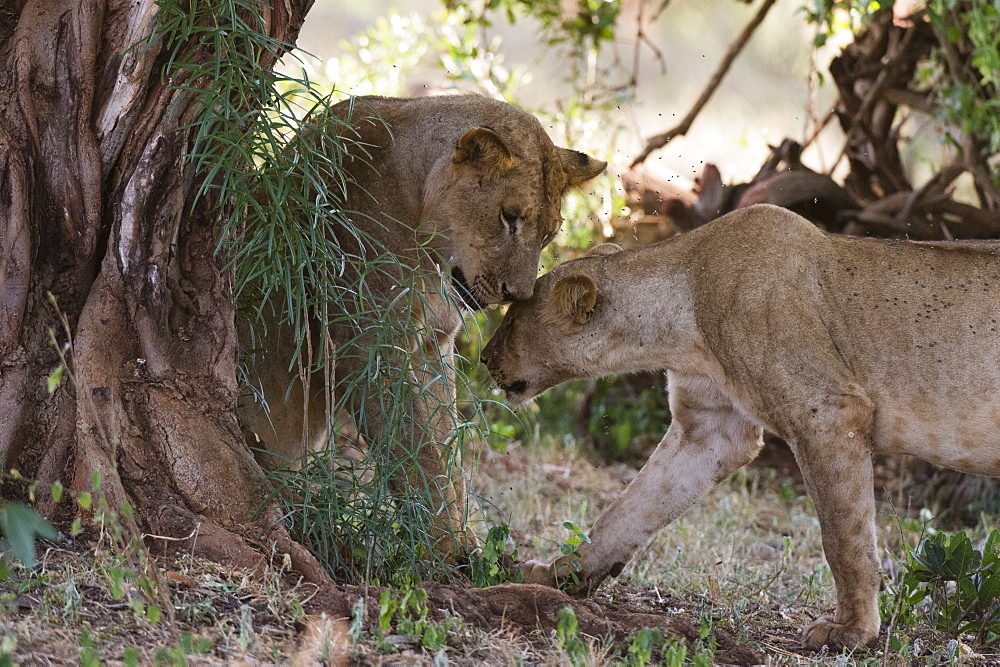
<point>841,346</point>
<point>452,196</point>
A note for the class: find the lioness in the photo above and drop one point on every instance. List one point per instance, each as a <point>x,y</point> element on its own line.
<point>463,184</point>
<point>842,346</point>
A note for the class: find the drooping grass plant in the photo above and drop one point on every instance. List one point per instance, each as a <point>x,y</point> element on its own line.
<point>270,153</point>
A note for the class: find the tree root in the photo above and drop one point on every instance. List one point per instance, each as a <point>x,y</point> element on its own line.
<point>524,608</point>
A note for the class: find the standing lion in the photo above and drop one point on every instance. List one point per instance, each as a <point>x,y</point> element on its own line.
<point>451,200</point>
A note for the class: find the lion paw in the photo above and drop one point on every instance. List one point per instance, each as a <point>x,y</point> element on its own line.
<point>827,632</point>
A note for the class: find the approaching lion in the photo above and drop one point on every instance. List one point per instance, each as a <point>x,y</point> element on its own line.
<point>464,188</point>
<point>842,346</point>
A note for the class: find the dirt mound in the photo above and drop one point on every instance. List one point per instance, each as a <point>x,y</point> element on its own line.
<point>524,608</point>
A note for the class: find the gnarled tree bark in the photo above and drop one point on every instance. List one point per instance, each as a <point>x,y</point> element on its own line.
<point>96,209</point>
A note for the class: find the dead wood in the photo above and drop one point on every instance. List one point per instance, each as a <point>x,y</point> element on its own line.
<point>884,57</point>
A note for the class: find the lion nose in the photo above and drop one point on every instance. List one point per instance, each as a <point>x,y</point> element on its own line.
<point>516,293</point>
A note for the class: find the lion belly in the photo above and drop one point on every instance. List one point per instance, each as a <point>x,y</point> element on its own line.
<point>961,436</point>
<point>919,328</point>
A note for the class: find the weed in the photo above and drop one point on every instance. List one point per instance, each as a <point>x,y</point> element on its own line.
<point>959,583</point>
<point>568,639</point>
<point>357,620</point>
<point>411,614</point>
<point>21,524</point>
<point>488,568</point>
<point>675,653</point>
<point>569,547</point>
<point>188,646</point>
<point>640,650</point>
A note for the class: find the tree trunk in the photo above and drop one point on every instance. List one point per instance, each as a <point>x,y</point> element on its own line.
<point>96,209</point>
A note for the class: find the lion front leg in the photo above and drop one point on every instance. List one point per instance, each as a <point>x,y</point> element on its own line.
<point>439,447</point>
<point>701,448</point>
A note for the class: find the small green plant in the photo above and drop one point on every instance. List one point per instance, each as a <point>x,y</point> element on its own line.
<point>411,609</point>
<point>675,653</point>
<point>89,656</point>
<point>570,547</point>
<point>706,645</point>
<point>961,584</point>
<point>568,638</point>
<point>640,651</point>
<point>21,524</point>
<point>488,568</point>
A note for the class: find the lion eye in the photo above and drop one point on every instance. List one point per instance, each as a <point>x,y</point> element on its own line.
<point>512,220</point>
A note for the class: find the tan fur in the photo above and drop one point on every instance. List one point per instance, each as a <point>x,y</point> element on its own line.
<point>842,346</point>
<point>459,183</point>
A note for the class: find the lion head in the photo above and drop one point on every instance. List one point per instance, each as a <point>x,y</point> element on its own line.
<point>557,334</point>
<point>496,205</point>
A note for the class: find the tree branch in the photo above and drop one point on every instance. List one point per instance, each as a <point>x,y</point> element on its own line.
<point>735,48</point>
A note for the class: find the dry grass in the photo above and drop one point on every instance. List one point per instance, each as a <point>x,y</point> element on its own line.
<point>746,559</point>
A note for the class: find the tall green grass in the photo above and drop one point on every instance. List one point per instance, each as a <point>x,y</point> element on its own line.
<point>270,154</point>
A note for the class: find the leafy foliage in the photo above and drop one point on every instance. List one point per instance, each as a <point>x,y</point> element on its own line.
<point>568,638</point>
<point>587,23</point>
<point>491,566</point>
<point>617,421</point>
<point>409,611</point>
<point>969,66</point>
<point>21,525</point>
<point>962,76</point>
<point>954,585</point>
<point>570,547</point>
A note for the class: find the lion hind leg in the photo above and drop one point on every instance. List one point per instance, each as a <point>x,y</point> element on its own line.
<point>834,454</point>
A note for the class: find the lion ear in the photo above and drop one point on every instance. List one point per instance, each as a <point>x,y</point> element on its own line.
<point>604,249</point>
<point>575,297</point>
<point>485,149</point>
<point>579,167</point>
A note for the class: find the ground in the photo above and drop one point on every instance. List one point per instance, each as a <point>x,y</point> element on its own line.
<point>733,581</point>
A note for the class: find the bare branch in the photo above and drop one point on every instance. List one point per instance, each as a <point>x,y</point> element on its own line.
<point>735,48</point>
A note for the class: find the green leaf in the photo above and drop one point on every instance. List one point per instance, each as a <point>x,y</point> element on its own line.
<point>987,586</point>
<point>55,378</point>
<point>931,554</point>
<point>990,553</point>
<point>21,524</point>
<point>84,499</point>
<point>57,491</point>
<point>961,559</point>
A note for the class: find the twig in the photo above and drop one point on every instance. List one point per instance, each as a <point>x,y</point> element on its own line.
<point>642,38</point>
<point>659,10</point>
<point>171,539</point>
<point>821,125</point>
<point>661,140</point>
